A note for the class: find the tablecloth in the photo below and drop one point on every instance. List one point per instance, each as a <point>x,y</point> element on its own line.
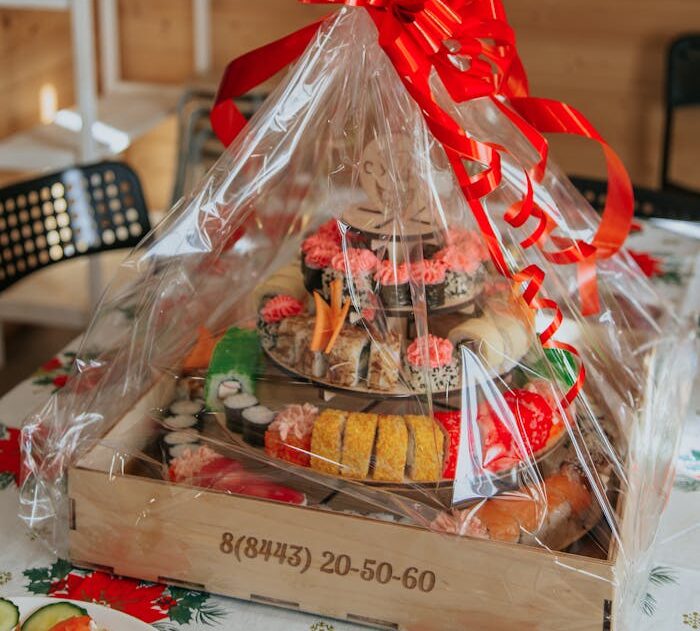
<point>672,602</point>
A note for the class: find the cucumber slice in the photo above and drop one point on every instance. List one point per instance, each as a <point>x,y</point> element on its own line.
<point>50,615</point>
<point>9,615</point>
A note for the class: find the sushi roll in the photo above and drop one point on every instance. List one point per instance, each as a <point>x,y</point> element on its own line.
<point>236,356</point>
<point>293,339</point>
<point>394,287</point>
<point>317,253</point>
<point>256,420</point>
<point>391,449</point>
<point>181,407</point>
<point>327,441</point>
<point>169,440</point>
<point>274,311</point>
<point>227,388</point>
<point>289,435</point>
<point>355,267</point>
<point>234,407</point>
<point>464,271</point>
<point>358,440</point>
<point>430,361</point>
<point>177,451</point>
<point>384,363</point>
<point>180,422</point>
<point>432,275</point>
<point>426,444</point>
<point>349,358</point>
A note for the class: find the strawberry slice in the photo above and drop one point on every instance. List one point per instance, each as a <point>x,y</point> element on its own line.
<point>533,415</point>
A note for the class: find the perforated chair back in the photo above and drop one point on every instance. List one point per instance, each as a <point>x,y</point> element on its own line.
<point>82,210</point>
<point>647,202</point>
<point>682,90</point>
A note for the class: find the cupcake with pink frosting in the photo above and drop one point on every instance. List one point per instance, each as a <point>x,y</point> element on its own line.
<point>432,275</point>
<point>430,360</point>
<point>463,259</point>
<point>393,279</point>
<point>356,268</point>
<point>272,313</point>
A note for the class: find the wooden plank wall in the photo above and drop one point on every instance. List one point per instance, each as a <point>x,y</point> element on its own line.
<point>606,58</point>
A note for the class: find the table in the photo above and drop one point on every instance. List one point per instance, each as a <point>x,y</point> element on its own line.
<point>672,601</point>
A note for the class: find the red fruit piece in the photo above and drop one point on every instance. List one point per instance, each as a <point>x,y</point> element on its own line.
<point>533,415</point>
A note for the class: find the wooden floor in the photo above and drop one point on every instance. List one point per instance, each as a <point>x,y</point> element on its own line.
<point>27,347</point>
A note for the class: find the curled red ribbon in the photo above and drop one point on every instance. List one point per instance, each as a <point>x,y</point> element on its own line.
<point>420,36</point>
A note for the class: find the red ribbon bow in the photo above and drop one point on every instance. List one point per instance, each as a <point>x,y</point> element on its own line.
<point>472,48</point>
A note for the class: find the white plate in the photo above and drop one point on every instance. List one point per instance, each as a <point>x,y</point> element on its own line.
<point>110,619</point>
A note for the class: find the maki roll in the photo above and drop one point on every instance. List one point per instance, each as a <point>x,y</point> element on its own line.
<point>236,356</point>
<point>391,449</point>
<point>464,271</point>
<point>273,312</point>
<point>327,441</point>
<point>228,388</point>
<point>358,440</point>
<point>425,449</point>
<point>177,451</point>
<point>384,363</point>
<point>293,338</point>
<point>432,275</point>
<point>355,267</point>
<point>256,420</point>
<point>186,407</point>
<point>314,261</point>
<point>349,357</point>
<point>393,282</point>
<point>289,436</point>
<point>182,422</point>
<point>431,362</point>
<point>175,440</point>
<point>234,407</point>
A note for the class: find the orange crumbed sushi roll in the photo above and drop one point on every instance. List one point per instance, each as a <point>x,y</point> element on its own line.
<point>358,441</point>
<point>327,441</point>
<point>426,444</point>
<point>391,449</point>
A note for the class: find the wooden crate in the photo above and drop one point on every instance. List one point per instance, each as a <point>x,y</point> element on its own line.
<point>343,566</point>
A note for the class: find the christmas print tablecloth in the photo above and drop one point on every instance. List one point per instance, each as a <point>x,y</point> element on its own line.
<point>672,601</point>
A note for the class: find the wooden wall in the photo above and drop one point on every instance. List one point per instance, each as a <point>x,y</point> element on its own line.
<point>604,57</point>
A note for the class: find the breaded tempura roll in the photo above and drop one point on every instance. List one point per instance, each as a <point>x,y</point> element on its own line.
<point>391,449</point>
<point>327,441</point>
<point>426,444</point>
<point>358,440</point>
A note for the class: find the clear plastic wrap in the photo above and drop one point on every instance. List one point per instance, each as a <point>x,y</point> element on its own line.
<point>331,332</point>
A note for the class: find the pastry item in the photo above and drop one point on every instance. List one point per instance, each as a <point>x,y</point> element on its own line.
<point>289,436</point>
<point>431,274</point>
<point>275,310</point>
<point>236,356</point>
<point>348,358</point>
<point>327,441</point>
<point>256,419</point>
<point>391,449</point>
<point>394,287</point>
<point>431,362</point>
<point>293,339</point>
<point>384,363</point>
<point>234,407</point>
<point>358,440</point>
<point>425,449</point>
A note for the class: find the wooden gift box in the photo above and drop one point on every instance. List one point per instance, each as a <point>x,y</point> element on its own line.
<point>126,520</point>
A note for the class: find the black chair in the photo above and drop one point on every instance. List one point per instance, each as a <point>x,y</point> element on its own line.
<point>647,202</point>
<point>682,90</point>
<point>82,210</point>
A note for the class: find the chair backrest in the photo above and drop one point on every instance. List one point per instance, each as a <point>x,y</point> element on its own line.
<point>198,146</point>
<point>647,202</point>
<point>82,210</point>
<point>682,89</point>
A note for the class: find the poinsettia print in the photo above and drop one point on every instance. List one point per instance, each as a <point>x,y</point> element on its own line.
<point>9,456</point>
<point>55,372</point>
<point>165,607</point>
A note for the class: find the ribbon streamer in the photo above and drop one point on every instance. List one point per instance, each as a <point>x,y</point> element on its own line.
<point>422,36</point>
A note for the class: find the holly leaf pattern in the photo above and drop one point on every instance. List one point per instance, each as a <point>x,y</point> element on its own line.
<point>42,578</point>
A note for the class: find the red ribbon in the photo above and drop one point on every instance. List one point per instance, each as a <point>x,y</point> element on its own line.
<point>420,36</point>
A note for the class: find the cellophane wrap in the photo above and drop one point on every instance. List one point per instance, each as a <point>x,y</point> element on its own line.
<point>326,294</point>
